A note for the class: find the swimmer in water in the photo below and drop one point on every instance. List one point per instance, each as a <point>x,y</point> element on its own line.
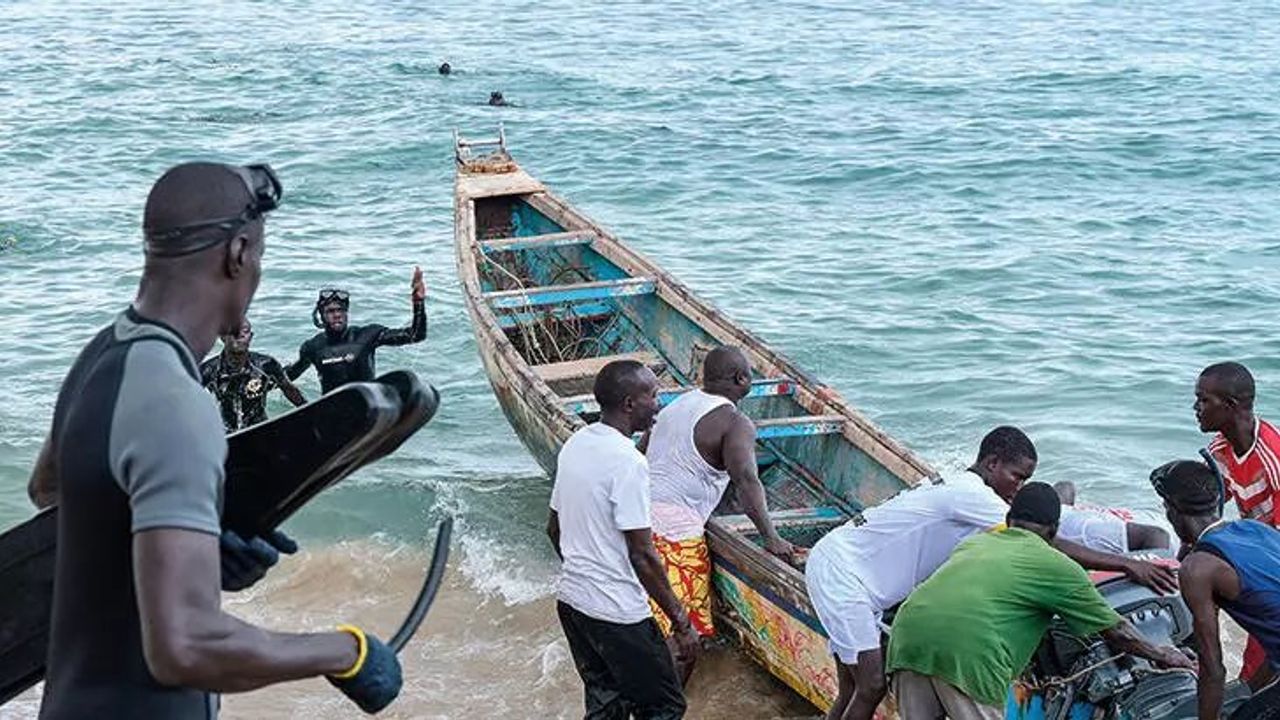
<point>445,68</point>
<point>342,354</point>
<point>241,380</point>
<point>496,99</point>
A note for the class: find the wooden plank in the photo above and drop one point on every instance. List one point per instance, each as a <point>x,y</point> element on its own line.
<point>528,242</point>
<point>797,426</point>
<point>588,367</point>
<point>558,294</point>
<point>474,185</point>
<point>766,387</point>
<point>794,516</point>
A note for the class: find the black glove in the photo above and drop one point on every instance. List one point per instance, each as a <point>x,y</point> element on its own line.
<point>375,679</point>
<point>245,563</point>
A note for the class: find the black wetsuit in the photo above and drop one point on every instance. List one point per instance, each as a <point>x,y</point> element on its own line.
<point>348,357</point>
<point>136,443</point>
<point>242,392</point>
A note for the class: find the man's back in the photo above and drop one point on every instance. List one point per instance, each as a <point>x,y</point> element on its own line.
<point>600,491</point>
<point>1252,549</point>
<point>978,619</point>
<point>138,445</point>
<point>686,487</point>
<point>905,539</point>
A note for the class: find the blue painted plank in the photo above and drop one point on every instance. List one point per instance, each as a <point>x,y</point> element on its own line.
<point>798,427</point>
<point>774,428</point>
<point>577,237</point>
<point>766,387</point>
<point>558,294</point>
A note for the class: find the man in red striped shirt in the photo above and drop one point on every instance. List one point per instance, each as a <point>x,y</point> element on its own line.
<point>1247,449</point>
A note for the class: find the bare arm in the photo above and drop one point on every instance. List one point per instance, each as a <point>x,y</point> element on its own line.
<point>553,532</point>
<point>293,394</point>
<point>1197,582</point>
<point>287,387</point>
<point>1157,577</point>
<point>42,488</point>
<point>739,454</point>
<point>189,641</point>
<point>1126,639</point>
<point>653,576</point>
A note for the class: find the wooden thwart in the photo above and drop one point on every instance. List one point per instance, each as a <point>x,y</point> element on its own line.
<point>589,367</point>
<point>765,387</point>
<point>528,242</point>
<point>573,293</point>
<point>801,425</point>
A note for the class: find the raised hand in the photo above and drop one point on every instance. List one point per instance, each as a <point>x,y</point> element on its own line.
<point>418,286</point>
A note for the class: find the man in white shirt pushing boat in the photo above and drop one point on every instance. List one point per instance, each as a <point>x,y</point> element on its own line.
<point>858,571</point>
<point>700,444</point>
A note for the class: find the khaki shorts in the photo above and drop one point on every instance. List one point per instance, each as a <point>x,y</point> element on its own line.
<point>921,697</point>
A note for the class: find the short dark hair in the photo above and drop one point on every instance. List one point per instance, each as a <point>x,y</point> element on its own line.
<point>1038,503</point>
<point>1235,379</point>
<point>616,382</point>
<point>724,362</point>
<point>1191,487</point>
<point>190,193</point>
<point>1008,444</point>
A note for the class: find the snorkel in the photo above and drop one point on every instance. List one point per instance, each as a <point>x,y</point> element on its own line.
<point>1217,473</point>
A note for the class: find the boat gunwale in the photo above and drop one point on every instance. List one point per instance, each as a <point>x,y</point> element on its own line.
<point>859,429</point>
<point>729,540</point>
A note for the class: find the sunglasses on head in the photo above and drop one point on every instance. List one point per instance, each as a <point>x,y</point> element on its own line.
<point>265,192</point>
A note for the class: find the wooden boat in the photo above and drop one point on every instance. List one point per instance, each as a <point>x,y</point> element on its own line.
<point>554,297</point>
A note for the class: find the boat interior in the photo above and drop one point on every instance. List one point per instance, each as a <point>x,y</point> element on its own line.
<point>569,309</point>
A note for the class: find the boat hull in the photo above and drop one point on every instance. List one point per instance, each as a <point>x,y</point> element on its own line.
<point>759,599</point>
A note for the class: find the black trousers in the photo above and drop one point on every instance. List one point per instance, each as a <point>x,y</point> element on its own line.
<point>1264,705</point>
<point>626,670</point>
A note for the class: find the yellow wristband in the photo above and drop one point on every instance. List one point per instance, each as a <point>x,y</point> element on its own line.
<point>363,653</point>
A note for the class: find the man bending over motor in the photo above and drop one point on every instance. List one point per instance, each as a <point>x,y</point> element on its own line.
<point>343,354</point>
<point>1234,566</point>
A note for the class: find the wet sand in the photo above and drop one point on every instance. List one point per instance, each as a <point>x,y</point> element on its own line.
<point>476,656</point>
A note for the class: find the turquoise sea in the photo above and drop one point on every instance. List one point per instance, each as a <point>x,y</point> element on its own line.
<point>1050,214</point>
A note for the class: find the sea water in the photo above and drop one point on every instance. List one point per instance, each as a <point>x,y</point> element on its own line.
<point>959,215</point>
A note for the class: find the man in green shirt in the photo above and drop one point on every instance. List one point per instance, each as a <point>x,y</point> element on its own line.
<point>965,633</point>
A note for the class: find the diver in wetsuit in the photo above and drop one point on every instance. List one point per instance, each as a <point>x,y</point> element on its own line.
<point>343,354</point>
<point>241,380</point>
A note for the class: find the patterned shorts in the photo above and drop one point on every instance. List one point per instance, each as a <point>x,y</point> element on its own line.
<point>688,564</point>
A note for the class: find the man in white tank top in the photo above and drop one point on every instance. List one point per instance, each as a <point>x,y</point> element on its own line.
<point>700,444</point>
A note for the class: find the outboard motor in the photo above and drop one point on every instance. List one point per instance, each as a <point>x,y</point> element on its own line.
<point>1073,678</point>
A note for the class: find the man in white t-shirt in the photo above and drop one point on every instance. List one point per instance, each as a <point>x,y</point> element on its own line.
<point>857,572</point>
<point>599,525</point>
<point>1101,528</point>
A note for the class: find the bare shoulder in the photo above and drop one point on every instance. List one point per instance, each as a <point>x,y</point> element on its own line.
<point>723,421</point>
<point>1202,572</point>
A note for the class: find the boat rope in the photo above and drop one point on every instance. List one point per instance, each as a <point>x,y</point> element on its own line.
<point>1056,682</point>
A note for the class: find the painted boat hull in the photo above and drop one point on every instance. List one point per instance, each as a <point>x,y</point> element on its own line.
<point>760,599</point>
